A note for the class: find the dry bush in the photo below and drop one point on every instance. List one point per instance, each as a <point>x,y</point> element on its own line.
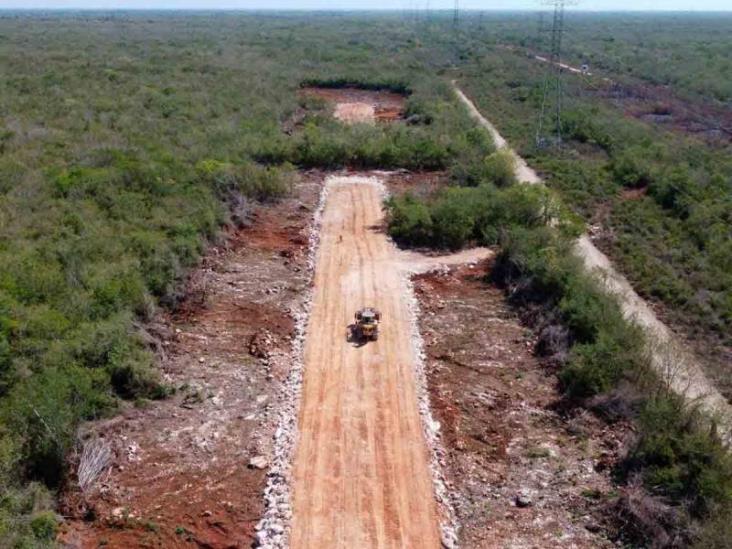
<point>96,456</point>
<point>647,520</point>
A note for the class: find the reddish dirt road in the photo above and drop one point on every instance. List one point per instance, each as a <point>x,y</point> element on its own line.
<point>361,470</point>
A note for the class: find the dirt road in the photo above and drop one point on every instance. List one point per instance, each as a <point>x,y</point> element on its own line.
<point>361,471</point>
<point>675,365</point>
<point>522,170</point>
<point>564,66</point>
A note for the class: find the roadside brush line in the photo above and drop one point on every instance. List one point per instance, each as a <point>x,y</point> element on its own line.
<point>689,380</point>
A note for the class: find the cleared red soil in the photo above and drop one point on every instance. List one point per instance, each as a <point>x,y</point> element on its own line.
<point>180,474</point>
<point>387,106</point>
<point>522,473</point>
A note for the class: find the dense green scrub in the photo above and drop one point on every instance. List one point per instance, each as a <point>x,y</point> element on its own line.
<point>690,52</point>
<point>673,238</point>
<point>664,198</point>
<point>599,355</point>
<point>126,141</point>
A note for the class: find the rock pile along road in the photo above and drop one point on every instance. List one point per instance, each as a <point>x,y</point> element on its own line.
<point>361,474</point>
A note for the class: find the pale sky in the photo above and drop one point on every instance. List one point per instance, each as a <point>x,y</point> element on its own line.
<point>614,5</point>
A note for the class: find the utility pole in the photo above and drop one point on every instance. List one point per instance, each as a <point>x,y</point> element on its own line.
<point>553,93</point>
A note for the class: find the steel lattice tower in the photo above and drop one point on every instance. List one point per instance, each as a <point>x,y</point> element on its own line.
<point>553,93</point>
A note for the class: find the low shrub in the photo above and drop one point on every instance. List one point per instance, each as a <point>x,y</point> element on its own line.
<point>44,525</point>
<point>339,82</point>
<point>457,216</point>
<point>680,455</point>
<point>499,168</point>
<point>631,168</point>
<point>26,518</point>
<point>409,220</point>
<point>260,182</point>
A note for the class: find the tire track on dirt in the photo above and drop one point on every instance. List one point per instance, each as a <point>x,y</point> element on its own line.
<point>378,491</point>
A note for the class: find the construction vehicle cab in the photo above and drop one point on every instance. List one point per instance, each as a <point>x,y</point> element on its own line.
<point>366,327</point>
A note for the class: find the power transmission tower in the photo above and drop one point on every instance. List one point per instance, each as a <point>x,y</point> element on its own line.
<point>456,14</point>
<point>553,93</point>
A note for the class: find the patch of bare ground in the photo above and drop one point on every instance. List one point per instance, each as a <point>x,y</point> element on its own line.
<point>422,184</point>
<point>356,105</point>
<point>521,473</point>
<point>660,105</point>
<point>190,470</point>
<point>633,193</point>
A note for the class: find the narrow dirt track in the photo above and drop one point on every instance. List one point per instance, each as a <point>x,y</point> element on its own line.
<point>361,471</point>
<point>675,365</point>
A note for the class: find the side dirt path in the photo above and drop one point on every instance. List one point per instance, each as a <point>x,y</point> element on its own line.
<point>676,366</point>
<point>522,474</point>
<point>189,471</point>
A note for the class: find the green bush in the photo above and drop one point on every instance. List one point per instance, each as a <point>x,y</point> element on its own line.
<point>250,179</point>
<point>409,221</point>
<point>597,367</point>
<point>674,190</point>
<point>631,167</point>
<point>453,218</point>
<point>457,216</point>
<point>585,309</point>
<point>44,525</point>
<point>681,456</point>
<point>42,411</point>
<point>499,168</point>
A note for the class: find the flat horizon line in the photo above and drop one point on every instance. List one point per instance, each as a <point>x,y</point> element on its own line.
<point>352,10</point>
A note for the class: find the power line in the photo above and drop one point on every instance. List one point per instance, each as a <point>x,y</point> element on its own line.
<point>553,92</point>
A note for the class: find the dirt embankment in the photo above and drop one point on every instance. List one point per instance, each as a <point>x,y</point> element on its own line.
<point>190,470</point>
<point>676,365</point>
<point>521,473</point>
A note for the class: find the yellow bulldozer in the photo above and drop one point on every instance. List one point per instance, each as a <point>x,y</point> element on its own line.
<point>366,327</point>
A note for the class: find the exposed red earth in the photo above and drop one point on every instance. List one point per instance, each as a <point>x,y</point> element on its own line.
<point>355,105</point>
<point>189,471</point>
